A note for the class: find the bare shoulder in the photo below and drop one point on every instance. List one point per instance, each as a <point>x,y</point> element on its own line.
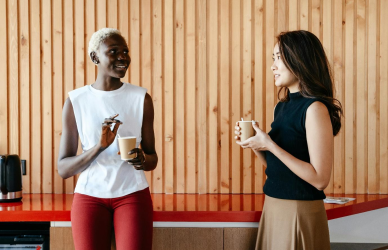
<point>67,104</point>
<point>148,104</point>
<point>147,99</point>
<point>318,118</point>
<point>317,109</point>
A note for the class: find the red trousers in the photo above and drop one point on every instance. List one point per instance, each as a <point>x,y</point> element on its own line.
<point>131,216</point>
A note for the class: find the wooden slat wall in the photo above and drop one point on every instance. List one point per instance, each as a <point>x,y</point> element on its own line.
<point>206,63</point>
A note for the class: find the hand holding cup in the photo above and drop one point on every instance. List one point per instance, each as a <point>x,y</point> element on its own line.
<point>244,130</point>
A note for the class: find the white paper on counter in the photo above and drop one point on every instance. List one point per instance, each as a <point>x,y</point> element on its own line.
<point>337,200</point>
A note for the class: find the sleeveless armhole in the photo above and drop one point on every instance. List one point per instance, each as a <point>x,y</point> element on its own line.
<point>305,111</point>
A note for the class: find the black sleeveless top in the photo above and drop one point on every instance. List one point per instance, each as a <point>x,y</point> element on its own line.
<point>289,132</point>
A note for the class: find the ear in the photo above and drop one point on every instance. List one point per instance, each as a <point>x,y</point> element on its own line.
<point>94,57</point>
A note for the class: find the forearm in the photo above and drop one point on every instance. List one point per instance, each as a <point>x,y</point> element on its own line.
<point>151,160</point>
<point>303,169</point>
<point>261,156</point>
<point>70,166</point>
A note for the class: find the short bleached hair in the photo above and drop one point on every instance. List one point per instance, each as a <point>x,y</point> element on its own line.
<point>99,36</point>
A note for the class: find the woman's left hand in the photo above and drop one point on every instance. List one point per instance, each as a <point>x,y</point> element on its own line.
<point>259,142</point>
<point>139,160</point>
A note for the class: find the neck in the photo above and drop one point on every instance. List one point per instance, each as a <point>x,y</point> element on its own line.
<point>294,87</point>
<point>107,83</point>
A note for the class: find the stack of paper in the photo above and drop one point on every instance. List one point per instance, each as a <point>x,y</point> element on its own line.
<point>338,200</point>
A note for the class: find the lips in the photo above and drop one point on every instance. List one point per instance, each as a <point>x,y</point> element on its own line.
<point>121,66</point>
<point>276,76</point>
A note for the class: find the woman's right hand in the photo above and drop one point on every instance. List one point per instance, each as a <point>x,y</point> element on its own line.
<point>108,135</point>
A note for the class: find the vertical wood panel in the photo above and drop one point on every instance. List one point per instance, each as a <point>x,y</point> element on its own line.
<point>57,88</point>
<point>269,80</point>
<point>179,93</point>
<point>111,14</point>
<point>361,124</point>
<point>383,154</point>
<point>224,82</point>
<point>315,17</point>
<point>79,63</point>
<point>145,61</point>
<point>337,65</point>
<point>235,77</point>
<point>3,78</point>
<point>349,102</point>
<point>190,79</point>
<point>13,77</point>
<point>101,12</point>
<point>68,65</point>
<point>293,15</point>
<point>327,41</point>
<point>90,68</point>
<point>47,126</point>
<point>372,99</point>
<point>304,14</point>
<point>24,72</point>
<point>123,26</point>
<point>259,100</point>
<point>157,89</point>
<point>247,91</point>
<point>282,21</point>
<point>202,98</point>
<point>36,152</point>
<point>168,94</point>
<point>212,79</point>
<point>134,43</point>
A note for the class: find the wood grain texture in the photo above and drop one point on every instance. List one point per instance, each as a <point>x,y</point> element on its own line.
<point>236,92</point>
<point>213,104</point>
<point>206,64</point>
<point>168,94</point>
<point>57,88</point>
<point>349,103</point>
<point>25,88</point>
<point>3,77</point>
<point>179,95</point>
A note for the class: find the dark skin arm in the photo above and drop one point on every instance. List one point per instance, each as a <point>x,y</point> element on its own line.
<point>146,159</point>
<point>69,163</point>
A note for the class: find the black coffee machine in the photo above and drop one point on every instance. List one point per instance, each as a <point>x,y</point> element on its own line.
<point>10,178</point>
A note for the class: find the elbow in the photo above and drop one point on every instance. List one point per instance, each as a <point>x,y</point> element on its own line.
<point>61,172</point>
<point>321,185</point>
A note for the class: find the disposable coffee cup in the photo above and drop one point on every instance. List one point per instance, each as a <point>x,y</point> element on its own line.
<point>126,144</point>
<point>247,130</point>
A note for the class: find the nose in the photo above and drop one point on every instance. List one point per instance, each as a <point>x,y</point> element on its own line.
<point>120,56</point>
<point>273,66</point>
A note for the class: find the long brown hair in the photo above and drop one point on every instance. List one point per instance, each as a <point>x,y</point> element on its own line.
<point>303,54</point>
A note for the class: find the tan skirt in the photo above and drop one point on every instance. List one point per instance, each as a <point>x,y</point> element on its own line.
<point>293,225</point>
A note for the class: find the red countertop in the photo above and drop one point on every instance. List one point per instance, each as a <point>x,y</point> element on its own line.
<point>181,207</point>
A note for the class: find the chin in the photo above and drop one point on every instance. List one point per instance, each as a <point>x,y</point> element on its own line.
<point>279,84</point>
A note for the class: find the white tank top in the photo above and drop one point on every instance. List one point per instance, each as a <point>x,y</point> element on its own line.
<point>108,176</point>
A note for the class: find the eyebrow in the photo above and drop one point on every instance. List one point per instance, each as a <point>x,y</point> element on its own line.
<point>276,53</point>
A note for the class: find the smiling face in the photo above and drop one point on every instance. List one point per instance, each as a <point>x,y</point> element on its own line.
<point>283,76</point>
<point>113,58</point>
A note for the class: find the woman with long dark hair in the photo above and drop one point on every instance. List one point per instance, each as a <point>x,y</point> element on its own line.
<point>298,151</point>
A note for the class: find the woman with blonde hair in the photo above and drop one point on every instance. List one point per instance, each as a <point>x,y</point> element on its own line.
<point>109,192</point>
